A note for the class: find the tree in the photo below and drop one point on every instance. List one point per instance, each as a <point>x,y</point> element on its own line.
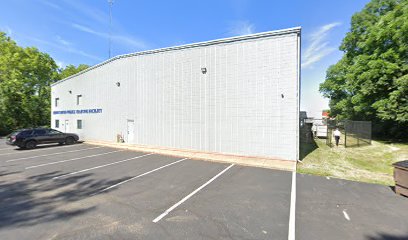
<point>71,70</point>
<point>370,82</point>
<point>25,78</point>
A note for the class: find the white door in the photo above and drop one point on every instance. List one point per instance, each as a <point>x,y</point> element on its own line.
<point>66,126</point>
<point>130,131</point>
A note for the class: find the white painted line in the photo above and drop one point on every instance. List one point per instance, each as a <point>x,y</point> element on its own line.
<point>191,194</point>
<point>101,166</point>
<point>346,216</point>
<point>141,175</point>
<point>78,150</point>
<point>40,149</point>
<point>72,159</point>
<point>292,211</point>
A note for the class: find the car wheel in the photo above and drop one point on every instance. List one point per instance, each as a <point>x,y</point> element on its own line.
<point>31,144</point>
<point>69,140</point>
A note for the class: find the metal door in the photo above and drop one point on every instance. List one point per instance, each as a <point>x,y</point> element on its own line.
<point>67,126</point>
<point>130,131</point>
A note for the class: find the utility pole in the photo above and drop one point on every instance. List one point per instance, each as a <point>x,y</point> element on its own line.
<point>110,25</point>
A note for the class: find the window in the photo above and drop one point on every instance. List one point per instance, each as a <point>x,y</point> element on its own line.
<point>40,132</point>
<point>79,99</point>
<point>56,123</point>
<point>56,102</point>
<point>79,124</point>
<point>25,133</point>
<point>52,131</point>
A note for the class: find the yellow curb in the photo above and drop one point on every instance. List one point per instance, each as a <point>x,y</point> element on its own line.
<point>270,163</point>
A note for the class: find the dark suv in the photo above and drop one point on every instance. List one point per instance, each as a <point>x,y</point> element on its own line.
<point>29,138</point>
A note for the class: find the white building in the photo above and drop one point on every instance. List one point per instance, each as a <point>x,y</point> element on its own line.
<point>235,96</point>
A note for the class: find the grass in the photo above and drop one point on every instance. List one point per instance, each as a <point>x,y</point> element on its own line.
<point>372,163</point>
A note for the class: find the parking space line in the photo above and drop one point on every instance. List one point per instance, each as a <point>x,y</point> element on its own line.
<point>191,194</point>
<point>72,159</point>
<point>346,216</point>
<point>101,166</point>
<point>42,149</point>
<point>51,154</point>
<point>292,211</point>
<point>141,175</point>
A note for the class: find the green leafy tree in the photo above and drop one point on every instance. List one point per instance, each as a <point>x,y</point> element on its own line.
<point>370,82</point>
<point>25,78</point>
<point>71,70</point>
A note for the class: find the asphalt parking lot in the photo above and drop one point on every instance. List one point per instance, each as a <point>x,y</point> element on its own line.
<point>85,191</point>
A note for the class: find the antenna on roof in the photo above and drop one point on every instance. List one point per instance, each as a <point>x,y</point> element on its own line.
<point>110,25</point>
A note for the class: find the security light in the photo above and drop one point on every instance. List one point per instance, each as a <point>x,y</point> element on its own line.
<point>118,84</point>
<point>70,91</point>
<point>204,70</point>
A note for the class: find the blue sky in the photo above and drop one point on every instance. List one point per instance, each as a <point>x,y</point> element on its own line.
<point>75,31</point>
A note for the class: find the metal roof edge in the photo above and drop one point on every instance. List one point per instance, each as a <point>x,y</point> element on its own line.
<point>191,45</point>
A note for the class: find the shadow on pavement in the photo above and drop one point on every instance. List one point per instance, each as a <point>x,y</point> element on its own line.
<point>52,145</point>
<point>5,173</point>
<point>39,199</point>
<point>383,236</point>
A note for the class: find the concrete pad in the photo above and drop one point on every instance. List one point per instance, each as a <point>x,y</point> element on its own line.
<point>270,163</point>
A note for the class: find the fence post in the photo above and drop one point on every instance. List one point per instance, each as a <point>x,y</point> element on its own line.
<point>358,141</point>
<point>345,136</point>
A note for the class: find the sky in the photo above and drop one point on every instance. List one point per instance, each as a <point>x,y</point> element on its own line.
<point>77,31</point>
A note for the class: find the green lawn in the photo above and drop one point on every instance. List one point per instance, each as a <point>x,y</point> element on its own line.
<point>371,163</point>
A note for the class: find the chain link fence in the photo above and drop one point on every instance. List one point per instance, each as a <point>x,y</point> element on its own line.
<point>353,133</point>
<point>357,133</point>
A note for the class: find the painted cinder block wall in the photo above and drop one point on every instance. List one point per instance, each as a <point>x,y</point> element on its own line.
<point>247,102</point>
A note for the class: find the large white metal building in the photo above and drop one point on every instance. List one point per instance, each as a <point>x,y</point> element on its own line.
<point>236,96</point>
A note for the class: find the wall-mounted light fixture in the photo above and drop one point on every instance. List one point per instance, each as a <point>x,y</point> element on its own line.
<point>283,96</point>
<point>204,70</point>
<point>70,92</point>
<point>118,84</point>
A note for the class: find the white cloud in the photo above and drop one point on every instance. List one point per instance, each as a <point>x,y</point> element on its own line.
<point>239,28</point>
<point>7,30</point>
<point>88,30</point>
<point>63,41</point>
<point>239,7</point>
<point>51,4</point>
<point>137,44</point>
<point>318,46</point>
<point>60,64</point>
<point>65,48</point>
<point>88,11</point>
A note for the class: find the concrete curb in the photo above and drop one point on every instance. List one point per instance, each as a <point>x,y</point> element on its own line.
<point>270,163</point>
